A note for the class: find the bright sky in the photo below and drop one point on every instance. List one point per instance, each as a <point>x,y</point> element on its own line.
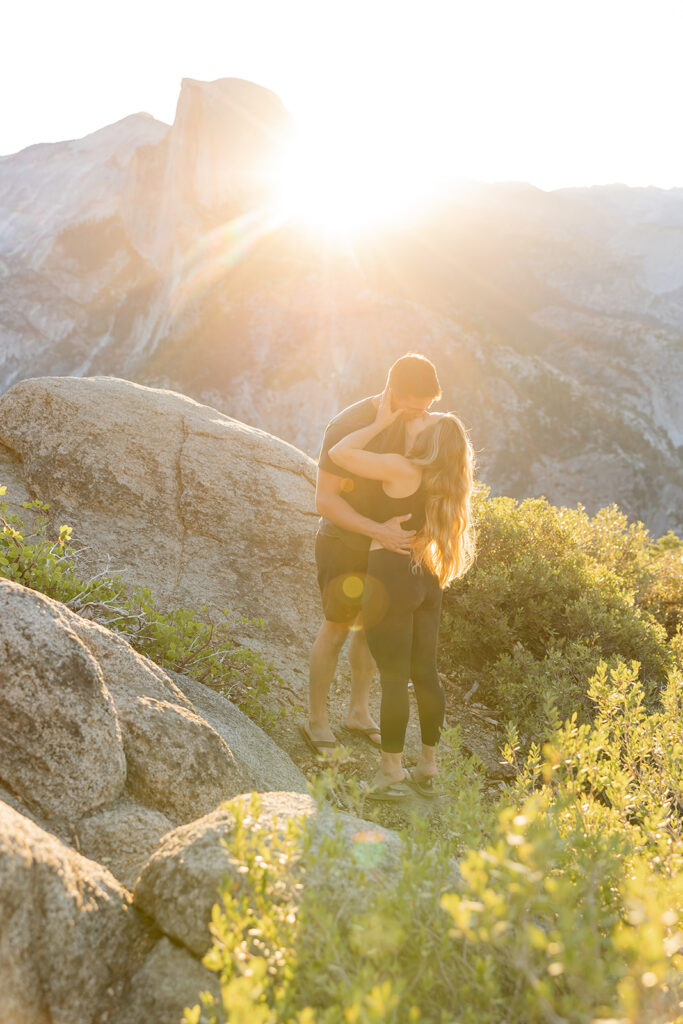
<point>553,92</point>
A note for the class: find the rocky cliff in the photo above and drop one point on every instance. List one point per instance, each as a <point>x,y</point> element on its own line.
<point>556,319</point>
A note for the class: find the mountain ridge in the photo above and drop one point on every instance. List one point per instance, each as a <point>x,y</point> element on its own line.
<point>555,318</point>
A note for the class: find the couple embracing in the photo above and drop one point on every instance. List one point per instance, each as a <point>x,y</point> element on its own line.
<point>394,488</point>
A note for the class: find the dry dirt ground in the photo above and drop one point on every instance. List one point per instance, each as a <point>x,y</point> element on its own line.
<point>478,736</point>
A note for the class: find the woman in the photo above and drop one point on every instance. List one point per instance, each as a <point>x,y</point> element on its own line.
<point>402,600</point>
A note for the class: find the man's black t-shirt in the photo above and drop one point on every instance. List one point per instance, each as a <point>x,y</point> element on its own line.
<point>361,494</point>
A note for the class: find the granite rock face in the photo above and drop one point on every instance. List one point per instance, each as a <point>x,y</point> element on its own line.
<point>61,747</point>
<point>98,741</point>
<point>179,884</point>
<point>102,757</point>
<point>218,160</point>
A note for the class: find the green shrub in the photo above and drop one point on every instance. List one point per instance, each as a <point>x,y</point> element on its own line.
<point>552,593</point>
<point>563,904</point>
<point>199,644</point>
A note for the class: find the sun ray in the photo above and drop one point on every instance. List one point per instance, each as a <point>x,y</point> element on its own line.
<point>219,251</point>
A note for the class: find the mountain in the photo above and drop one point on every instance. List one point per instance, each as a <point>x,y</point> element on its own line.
<point>556,319</point>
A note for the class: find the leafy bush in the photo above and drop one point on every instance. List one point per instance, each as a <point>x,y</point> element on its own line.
<point>552,593</point>
<point>563,904</point>
<point>200,644</point>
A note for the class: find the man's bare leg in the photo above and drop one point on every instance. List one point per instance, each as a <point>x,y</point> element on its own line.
<point>323,665</point>
<point>362,672</point>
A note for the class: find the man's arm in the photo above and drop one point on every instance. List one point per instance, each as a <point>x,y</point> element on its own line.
<point>330,503</point>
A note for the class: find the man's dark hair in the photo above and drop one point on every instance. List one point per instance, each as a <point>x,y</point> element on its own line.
<point>414,374</point>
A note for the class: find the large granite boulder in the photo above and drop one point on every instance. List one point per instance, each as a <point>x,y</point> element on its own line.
<point>175,496</point>
<point>84,717</point>
<point>176,762</point>
<point>67,930</point>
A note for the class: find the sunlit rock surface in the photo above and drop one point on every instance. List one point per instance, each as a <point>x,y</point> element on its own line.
<point>111,853</point>
<point>176,497</point>
<point>96,739</point>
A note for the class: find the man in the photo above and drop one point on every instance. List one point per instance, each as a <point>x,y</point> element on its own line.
<point>346,529</point>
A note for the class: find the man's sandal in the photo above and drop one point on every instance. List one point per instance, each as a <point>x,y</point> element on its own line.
<point>365,734</point>
<point>319,746</point>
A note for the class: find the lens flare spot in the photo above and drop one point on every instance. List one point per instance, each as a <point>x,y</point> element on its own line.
<point>369,847</point>
<point>375,601</point>
<point>353,587</point>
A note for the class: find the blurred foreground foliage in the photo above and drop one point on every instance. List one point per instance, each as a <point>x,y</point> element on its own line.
<point>199,643</point>
<point>559,900</point>
<point>560,903</point>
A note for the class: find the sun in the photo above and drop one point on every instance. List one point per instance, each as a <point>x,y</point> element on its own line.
<point>344,189</point>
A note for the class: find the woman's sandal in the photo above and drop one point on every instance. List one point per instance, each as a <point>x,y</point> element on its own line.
<point>423,787</point>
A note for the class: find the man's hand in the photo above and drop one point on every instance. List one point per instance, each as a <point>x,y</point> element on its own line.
<point>393,537</point>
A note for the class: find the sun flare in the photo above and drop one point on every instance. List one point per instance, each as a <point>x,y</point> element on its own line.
<point>341,192</point>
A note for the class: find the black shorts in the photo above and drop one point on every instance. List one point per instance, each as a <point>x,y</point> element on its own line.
<point>341,578</point>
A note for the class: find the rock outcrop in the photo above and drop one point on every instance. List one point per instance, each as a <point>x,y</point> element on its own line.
<point>97,741</point>
<point>67,929</point>
<point>178,885</point>
<point>175,496</point>
<point>219,160</point>
<point>114,834</point>
<point>102,755</point>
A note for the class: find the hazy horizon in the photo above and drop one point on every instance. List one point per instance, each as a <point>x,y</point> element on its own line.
<point>447,181</point>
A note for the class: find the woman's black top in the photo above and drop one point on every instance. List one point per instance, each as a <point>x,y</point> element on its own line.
<point>414,504</point>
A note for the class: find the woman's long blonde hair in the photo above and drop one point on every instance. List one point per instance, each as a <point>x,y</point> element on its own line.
<point>446,544</point>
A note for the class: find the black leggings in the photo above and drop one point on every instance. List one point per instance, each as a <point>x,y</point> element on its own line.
<point>401,612</point>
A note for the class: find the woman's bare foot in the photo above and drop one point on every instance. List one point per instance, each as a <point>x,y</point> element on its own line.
<point>387,786</point>
<point>383,779</point>
<point>425,769</point>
